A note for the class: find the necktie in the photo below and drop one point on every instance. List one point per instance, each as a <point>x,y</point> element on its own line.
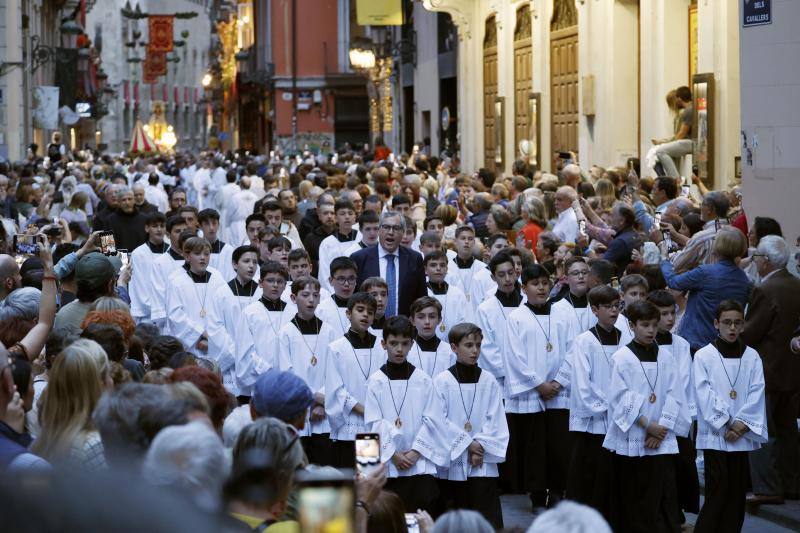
<point>391,281</point>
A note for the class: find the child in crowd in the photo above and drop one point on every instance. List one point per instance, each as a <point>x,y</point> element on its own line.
<point>143,258</point>
<point>221,253</point>
<point>368,225</point>
<point>378,289</point>
<point>428,352</point>
<point>398,400</point>
<point>262,320</point>
<point>470,428</point>
<point>333,310</point>
<point>303,345</point>
<point>339,243</point>
<point>731,418</point>
<point>536,341</point>
<point>278,249</point>
<point>454,302</point>
<point>164,265</point>
<point>300,266</point>
<point>574,297</point>
<point>633,288</point>
<point>646,411</point>
<point>352,358</point>
<point>463,268</point>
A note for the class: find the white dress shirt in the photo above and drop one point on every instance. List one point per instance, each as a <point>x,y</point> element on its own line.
<point>383,263</point>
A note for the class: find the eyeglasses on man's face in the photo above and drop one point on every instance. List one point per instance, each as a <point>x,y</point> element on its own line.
<point>392,228</point>
<point>345,281</point>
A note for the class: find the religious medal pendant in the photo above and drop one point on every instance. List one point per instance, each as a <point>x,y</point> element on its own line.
<point>468,426</point>
<point>313,360</point>
<point>202,312</point>
<point>549,346</point>
<point>441,327</point>
<point>398,423</point>
<point>733,394</point>
<point>652,397</point>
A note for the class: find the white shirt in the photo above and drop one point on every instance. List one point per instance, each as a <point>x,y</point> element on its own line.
<point>383,264</point>
<point>566,226</point>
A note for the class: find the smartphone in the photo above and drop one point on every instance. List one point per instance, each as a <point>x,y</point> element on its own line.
<point>564,155</point>
<point>368,452</point>
<point>582,228</point>
<point>26,244</point>
<point>107,244</point>
<point>124,257</point>
<point>412,524</point>
<point>326,501</point>
<point>657,219</point>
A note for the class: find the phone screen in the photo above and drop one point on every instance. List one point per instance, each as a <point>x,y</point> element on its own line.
<point>107,244</point>
<point>412,524</point>
<point>368,452</point>
<point>326,505</point>
<point>657,219</point>
<point>26,244</point>
<point>124,257</point>
<point>582,227</point>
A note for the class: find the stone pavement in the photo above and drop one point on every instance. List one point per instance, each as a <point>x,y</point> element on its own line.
<point>771,519</point>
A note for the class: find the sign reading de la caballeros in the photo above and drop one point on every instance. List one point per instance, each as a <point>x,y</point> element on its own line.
<point>756,12</point>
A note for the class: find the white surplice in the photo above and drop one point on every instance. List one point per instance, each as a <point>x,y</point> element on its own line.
<point>492,317</point>
<point>295,355</point>
<point>412,401</point>
<point>454,310</point>
<point>464,279</point>
<point>188,304</point>
<point>682,353</point>
<point>432,363</point>
<point>528,363</point>
<point>629,398</point>
<point>591,364</point>
<point>233,221</point>
<point>257,342</point>
<point>482,405</point>
<point>333,315</point>
<point>346,385</point>
<point>329,249</point>
<point>163,266</point>
<point>141,287</point>
<point>225,319</point>
<point>716,408</point>
<point>223,262</point>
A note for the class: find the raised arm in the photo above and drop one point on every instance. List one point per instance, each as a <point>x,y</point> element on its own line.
<point>35,340</point>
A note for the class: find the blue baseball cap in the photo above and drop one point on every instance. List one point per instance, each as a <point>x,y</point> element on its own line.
<point>281,395</point>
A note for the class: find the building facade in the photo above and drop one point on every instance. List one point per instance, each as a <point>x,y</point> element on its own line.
<point>591,76</point>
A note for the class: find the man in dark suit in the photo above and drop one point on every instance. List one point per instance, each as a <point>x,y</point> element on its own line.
<point>400,267</point>
<point>770,323</point>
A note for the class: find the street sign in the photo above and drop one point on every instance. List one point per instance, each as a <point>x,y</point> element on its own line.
<point>756,12</point>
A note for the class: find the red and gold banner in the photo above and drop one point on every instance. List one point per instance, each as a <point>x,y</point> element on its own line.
<point>160,33</point>
<point>154,65</point>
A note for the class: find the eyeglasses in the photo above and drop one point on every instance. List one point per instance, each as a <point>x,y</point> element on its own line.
<point>391,229</point>
<point>345,281</point>
<point>274,281</point>
<point>617,306</point>
<point>732,323</point>
<point>579,273</point>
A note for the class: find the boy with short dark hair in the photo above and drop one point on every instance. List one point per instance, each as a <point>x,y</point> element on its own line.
<point>589,477</point>
<point>343,279</point>
<point>485,285</point>
<point>409,239</point>
<point>469,430</point>
<point>399,397</point>
<point>262,321</point>
<point>299,264</point>
<point>731,418</point>
<point>647,409</point>
<point>537,337</point>
<point>339,243</point>
<point>687,480</point>
<point>303,345</point>
<point>633,288</point>
<point>352,358</point>
<point>221,253</point>
<point>143,258</point>
<point>455,308</point>
<point>378,289</point>
<point>463,268</point>
<point>164,265</point>
<point>253,225</point>
<point>278,249</point>
<point>368,225</point>
<point>226,309</point>
<point>428,352</point>
<point>574,296</point>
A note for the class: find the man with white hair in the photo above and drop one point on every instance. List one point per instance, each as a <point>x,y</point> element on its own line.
<point>566,226</point>
<point>191,459</point>
<point>570,517</point>
<point>770,324</point>
<point>572,175</point>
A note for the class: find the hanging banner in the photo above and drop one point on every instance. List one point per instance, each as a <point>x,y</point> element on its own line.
<point>160,33</point>
<point>67,75</point>
<point>379,12</point>
<point>154,65</point>
<point>45,113</point>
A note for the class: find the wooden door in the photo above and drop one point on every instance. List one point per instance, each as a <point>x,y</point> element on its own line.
<point>564,77</point>
<point>489,92</point>
<point>523,52</point>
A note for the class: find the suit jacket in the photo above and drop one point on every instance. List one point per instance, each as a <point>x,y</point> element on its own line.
<point>411,275</point>
<point>770,324</point>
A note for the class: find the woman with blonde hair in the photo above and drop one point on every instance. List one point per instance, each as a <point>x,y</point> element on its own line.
<point>80,375</point>
<point>606,193</point>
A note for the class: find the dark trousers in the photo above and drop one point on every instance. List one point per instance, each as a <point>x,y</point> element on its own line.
<point>646,499</point>
<point>775,468</point>
<point>476,493</point>
<point>343,453</point>
<point>320,450</point>
<point>726,475</point>
<point>417,492</point>
<point>686,478</point>
<point>590,473</point>
<point>538,453</point>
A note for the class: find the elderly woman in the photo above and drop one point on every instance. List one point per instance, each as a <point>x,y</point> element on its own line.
<point>708,285</point>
